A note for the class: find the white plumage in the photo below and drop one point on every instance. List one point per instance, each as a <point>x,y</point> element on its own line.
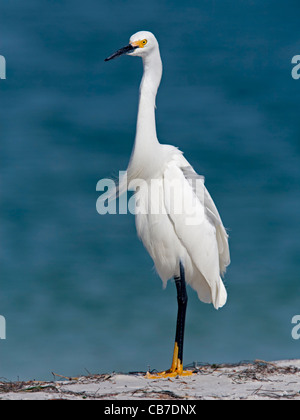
<point>202,248</point>
<point>177,221</point>
<point>169,237</point>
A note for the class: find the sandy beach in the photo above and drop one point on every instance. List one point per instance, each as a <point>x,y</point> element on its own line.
<point>258,380</point>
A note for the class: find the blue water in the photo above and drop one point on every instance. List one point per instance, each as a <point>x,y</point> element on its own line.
<point>77,289</point>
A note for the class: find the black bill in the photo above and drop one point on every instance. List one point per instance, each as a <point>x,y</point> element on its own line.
<point>121,51</point>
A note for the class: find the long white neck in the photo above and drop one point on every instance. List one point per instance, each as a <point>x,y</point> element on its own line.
<point>146,142</point>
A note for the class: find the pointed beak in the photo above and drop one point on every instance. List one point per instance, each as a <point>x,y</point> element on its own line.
<point>125,50</point>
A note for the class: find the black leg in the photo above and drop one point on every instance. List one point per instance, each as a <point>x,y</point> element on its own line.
<point>177,366</point>
<point>182,299</point>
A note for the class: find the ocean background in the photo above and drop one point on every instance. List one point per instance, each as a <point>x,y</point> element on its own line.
<point>77,289</point>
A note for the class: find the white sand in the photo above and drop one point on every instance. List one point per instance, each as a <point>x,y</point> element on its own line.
<point>258,380</point>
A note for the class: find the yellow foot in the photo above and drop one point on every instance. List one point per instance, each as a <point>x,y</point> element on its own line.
<point>175,370</point>
<point>168,374</point>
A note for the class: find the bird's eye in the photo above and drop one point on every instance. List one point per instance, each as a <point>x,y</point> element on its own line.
<point>144,42</point>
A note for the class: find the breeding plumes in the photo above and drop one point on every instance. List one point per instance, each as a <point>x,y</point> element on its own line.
<point>176,218</point>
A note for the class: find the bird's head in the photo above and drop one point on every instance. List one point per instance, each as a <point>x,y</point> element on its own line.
<point>140,44</point>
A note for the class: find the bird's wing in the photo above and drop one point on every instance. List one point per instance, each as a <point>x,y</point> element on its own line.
<point>211,213</point>
<point>196,233</point>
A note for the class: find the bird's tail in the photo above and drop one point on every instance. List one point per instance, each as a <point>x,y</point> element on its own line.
<point>221,296</point>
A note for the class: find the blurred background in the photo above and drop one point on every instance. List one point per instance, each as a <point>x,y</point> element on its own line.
<point>77,289</point>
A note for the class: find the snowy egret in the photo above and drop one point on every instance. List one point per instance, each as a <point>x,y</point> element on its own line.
<point>195,251</point>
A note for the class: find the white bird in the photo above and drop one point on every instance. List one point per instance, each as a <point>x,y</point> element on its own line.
<point>189,245</point>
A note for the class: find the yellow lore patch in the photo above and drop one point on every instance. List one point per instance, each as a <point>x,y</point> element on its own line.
<point>139,44</point>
